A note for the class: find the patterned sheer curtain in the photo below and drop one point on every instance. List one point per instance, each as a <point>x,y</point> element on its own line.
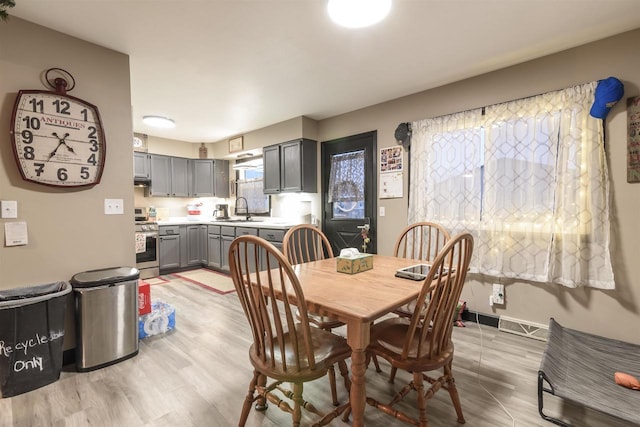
<point>346,178</point>
<point>528,179</point>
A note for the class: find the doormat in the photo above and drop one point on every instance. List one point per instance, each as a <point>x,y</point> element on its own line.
<point>154,281</point>
<point>207,279</point>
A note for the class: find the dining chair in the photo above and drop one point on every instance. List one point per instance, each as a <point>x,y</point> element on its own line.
<point>304,243</point>
<point>421,241</point>
<point>422,343</point>
<point>285,348</point>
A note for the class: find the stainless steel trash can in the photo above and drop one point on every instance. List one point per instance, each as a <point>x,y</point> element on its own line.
<point>106,316</point>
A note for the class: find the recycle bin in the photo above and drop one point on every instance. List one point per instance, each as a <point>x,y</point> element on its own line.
<point>106,316</point>
<point>31,336</point>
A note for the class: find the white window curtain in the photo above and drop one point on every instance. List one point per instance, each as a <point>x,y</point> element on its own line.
<point>346,177</point>
<point>528,179</point>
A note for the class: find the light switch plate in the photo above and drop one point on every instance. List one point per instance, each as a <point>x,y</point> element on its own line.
<point>8,209</point>
<point>113,207</point>
<point>382,211</point>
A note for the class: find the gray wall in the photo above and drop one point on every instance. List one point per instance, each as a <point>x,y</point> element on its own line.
<point>68,230</point>
<point>612,313</point>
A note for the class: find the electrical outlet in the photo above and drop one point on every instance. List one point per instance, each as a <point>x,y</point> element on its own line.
<point>498,293</point>
<point>113,207</point>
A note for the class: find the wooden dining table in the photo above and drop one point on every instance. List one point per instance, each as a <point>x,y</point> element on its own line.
<point>357,300</point>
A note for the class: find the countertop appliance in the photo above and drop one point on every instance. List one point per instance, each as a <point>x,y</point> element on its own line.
<point>221,212</point>
<point>147,258</point>
<point>141,214</point>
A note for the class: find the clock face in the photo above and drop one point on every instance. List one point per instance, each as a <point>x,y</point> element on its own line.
<point>57,139</point>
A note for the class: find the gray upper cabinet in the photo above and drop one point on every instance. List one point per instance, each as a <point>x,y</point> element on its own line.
<point>210,178</point>
<point>169,176</point>
<point>160,175</point>
<point>221,178</point>
<point>202,178</point>
<point>290,167</point>
<point>180,177</point>
<point>271,168</point>
<point>141,166</point>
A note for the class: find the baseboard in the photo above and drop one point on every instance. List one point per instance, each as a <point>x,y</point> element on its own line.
<point>483,319</point>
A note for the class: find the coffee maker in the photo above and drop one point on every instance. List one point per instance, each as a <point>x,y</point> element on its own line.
<point>221,212</point>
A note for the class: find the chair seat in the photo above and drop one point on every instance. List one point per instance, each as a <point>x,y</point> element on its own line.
<point>323,322</point>
<point>328,350</point>
<point>388,338</point>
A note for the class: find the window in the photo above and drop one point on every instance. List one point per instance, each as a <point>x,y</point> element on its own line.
<point>346,183</point>
<point>528,179</point>
<point>249,185</point>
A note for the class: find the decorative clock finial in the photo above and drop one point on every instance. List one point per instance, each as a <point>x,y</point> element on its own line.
<point>60,84</point>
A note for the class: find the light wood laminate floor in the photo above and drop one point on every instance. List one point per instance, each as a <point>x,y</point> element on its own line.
<point>198,374</point>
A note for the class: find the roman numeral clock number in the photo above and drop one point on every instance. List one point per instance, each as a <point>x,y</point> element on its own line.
<point>57,139</point>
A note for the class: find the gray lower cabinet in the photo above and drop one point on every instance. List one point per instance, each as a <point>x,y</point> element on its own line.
<point>202,242</point>
<point>170,249</point>
<point>193,245</point>
<point>214,246</point>
<point>227,234</point>
<point>275,238</point>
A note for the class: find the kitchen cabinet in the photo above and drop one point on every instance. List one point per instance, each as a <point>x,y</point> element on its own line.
<point>193,245</point>
<point>275,237</point>
<point>180,177</point>
<point>290,167</point>
<point>210,178</point>
<point>170,249</point>
<point>227,234</point>
<point>214,247</point>
<point>202,242</point>
<point>169,176</point>
<point>141,166</point>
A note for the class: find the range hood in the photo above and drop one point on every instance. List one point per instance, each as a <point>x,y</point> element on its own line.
<point>141,182</point>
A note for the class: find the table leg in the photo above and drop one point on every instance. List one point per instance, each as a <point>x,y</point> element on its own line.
<point>358,339</point>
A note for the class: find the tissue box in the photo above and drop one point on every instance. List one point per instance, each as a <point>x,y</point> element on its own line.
<point>362,262</point>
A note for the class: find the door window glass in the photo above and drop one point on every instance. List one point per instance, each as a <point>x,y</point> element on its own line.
<point>346,185</point>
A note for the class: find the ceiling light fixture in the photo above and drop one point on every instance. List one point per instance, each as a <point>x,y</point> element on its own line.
<point>358,13</point>
<point>159,122</point>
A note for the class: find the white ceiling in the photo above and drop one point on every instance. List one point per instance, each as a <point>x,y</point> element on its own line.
<point>222,68</point>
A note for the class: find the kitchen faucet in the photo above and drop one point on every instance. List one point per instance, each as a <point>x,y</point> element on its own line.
<point>246,207</point>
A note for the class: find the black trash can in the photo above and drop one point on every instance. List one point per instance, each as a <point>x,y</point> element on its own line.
<point>31,336</point>
<point>106,316</point>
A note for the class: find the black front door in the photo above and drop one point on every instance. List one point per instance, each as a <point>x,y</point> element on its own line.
<point>353,202</point>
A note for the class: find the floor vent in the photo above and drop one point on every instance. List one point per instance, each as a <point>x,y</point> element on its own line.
<point>524,328</point>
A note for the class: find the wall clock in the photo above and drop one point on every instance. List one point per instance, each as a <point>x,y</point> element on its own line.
<point>57,139</point>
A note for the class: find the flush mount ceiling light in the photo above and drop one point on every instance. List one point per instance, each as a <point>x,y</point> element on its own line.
<point>358,13</point>
<point>159,122</point>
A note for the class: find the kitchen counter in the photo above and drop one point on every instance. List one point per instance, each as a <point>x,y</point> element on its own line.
<point>260,222</point>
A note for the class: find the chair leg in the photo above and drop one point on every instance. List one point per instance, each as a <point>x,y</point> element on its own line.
<point>297,404</point>
<point>418,383</point>
<point>261,403</point>
<point>332,383</point>
<point>376,364</point>
<point>392,374</point>
<point>246,407</point>
<point>453,392</point>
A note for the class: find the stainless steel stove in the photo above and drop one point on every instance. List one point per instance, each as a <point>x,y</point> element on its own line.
<point>147,259</point>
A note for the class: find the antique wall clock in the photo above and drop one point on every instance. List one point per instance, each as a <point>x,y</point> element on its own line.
<point>57,139</point>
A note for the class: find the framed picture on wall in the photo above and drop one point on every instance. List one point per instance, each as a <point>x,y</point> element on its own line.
<point>235,144</point>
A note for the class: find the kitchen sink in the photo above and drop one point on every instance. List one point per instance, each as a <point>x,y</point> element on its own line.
<point>239,220</point>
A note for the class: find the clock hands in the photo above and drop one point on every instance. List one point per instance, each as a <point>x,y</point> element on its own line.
<point>62,142</point>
